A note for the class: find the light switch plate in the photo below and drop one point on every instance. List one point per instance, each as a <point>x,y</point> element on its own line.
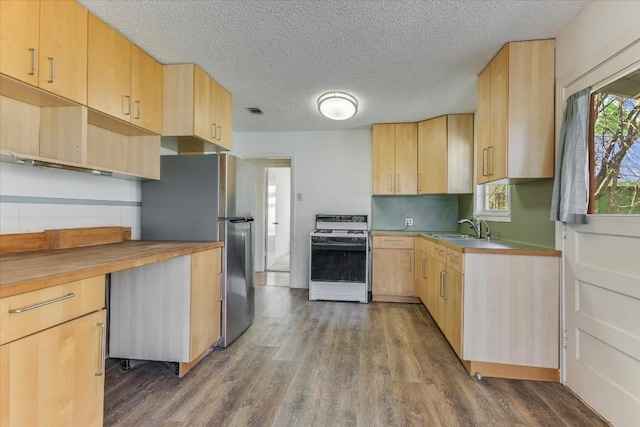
<point>408,221</point>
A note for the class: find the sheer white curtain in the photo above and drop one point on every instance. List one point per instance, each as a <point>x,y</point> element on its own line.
<point>571,183</point>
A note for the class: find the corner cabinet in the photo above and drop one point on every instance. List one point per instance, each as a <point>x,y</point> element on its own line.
<point>515,114</point>
<point>177,303</point>
<point>394,159</point>
<point>393,276</point>
<point>445,155</point>
<point>197,109</point>
<point>498,311</point>
<point>52,357</point>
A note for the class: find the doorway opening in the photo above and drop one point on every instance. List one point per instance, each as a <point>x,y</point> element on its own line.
<point>272,238</point>
<point>278,221</point>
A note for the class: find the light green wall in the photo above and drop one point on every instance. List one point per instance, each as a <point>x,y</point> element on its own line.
<point>530,207</point>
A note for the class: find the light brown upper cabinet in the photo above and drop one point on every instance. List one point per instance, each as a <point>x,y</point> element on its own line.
<point>223,116</point>
<point>395,167</point>
<point>123,81</point>
<point>445,155</point>
<point>45,44</point>
<point>197,109</point>
<point>515,113</point>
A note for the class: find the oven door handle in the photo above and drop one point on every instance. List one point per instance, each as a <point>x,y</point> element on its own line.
<point>339,246</point>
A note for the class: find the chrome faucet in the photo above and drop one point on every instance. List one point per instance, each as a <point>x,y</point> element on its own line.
<point>475,224</point>
<point>472,224</point>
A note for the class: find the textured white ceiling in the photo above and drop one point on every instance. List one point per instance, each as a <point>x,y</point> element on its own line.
<point>403,60</point>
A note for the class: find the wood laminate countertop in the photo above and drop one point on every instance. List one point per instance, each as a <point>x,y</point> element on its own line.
<point>30,271</point>
<point>473,245</point>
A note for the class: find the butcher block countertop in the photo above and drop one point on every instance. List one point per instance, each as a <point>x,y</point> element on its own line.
<point>29,271</point>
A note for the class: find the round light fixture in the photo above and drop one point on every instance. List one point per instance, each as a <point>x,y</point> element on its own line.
<point>337,105</point>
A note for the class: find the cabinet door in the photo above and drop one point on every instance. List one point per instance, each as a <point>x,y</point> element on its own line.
<point>453,294</point>
<point>406,163</point>
<point>483,127</point>
<point>459,153</point>
<point>223,117</point>
<point>432,156</point>
<point>384,159</point>
<point>146,90</point>
<point>393,272</point>
<point>55,377</point>
<point>63,49</point>
<point>437,292</point>
<point>109,70</point>
<point>205,301</point>
<point>203,126</point>
<point>19,39</point>
<point>497,166</point>
<point>421,275</point>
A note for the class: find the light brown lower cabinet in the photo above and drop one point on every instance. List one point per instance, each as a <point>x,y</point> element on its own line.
<point>394,269</point>
<point>498,311</point>
<point>55,377</point>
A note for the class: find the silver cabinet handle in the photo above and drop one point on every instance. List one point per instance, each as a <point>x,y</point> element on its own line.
<point>391,182</point>
<point>34,62</point>
<point>444,285</point>
<point>137,116</point>
<point>31,307</point>
<point>398,188</point>
<point>393,240</point>
<point>489,168</point>
<point>126,105</point>
<point>52,60</point>
<point>441,281</point>
<point>218,133</point>
<point>419,182</point>
<point>410,264</point>
<point>452,256</point>
<point>221,290</point>
<point>484,162</point>
<point>424,260</point>
<point>103,348</point>
<point>213,131</point>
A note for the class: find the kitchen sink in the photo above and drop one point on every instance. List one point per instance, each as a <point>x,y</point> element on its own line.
<point>452,236</point>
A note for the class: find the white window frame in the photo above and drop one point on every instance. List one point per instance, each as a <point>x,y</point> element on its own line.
<point>495,216</point>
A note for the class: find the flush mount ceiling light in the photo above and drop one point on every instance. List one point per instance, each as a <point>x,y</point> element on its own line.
<point>337,105</point>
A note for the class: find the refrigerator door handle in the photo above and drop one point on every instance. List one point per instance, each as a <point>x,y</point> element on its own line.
<point>236,219</point>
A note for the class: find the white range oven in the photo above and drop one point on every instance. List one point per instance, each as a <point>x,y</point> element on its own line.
<point>339,264</point>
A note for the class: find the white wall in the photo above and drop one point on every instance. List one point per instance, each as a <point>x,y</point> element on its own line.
<point>37,199</point>
<point>331,171</point>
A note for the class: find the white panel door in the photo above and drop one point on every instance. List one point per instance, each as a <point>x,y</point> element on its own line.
<point>602,306</point>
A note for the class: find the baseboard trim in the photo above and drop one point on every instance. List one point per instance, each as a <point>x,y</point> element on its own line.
<point>516,372</point>
<point>396,298</point>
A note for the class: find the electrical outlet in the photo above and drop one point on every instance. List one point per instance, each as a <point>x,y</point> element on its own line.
<point>408,221</point>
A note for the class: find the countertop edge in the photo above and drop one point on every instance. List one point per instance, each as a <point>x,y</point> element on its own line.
<point>20,287</point>
<point>532,251</point>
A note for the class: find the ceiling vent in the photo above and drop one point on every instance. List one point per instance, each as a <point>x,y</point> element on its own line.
<point>255,110</point>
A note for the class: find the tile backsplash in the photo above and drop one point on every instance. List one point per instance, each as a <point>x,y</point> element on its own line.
<point>37,199</point>
<point>429,212</point>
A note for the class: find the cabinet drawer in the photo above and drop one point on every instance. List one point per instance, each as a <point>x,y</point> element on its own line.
<point>42,309</point>
<point>440,253</point>
<point>393,242</point>
<point>455,260</point>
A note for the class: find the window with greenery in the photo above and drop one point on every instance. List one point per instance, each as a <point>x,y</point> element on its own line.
<point>615,147</point>
<point>496,198</point>
<point>493,202</point>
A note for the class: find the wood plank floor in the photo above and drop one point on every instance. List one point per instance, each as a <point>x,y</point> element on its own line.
<point>316,363</point>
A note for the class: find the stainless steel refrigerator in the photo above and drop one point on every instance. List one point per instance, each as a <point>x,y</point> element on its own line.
<point>209,198</point>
